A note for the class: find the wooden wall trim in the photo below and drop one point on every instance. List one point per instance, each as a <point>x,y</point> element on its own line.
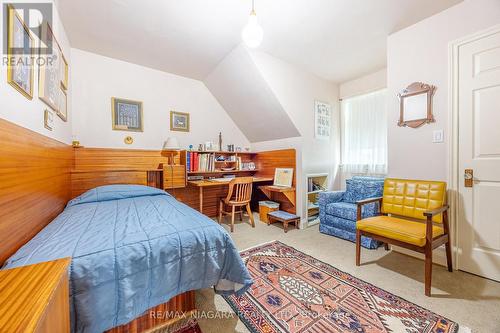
<point>34,184</point>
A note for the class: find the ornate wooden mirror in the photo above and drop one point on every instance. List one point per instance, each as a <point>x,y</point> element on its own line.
<point>415,105</point>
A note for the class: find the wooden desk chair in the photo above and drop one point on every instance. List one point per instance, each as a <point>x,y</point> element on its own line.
<point>418,220</point>
<point>238,195</point>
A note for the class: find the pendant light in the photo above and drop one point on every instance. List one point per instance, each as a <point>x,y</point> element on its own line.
<point>252,34</point>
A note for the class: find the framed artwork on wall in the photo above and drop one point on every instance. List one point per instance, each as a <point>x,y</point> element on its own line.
<point>49,82</point>
<point>126,115</point>
<point>48,119</point>
<point>19,54</point>
<point>63,105</point>
<point>179,121</point>
<point>322,120</point>
<point>63,71</point>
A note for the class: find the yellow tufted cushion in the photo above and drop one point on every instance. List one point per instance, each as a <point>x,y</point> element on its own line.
<point>399,229</point>
<point>411,198</point>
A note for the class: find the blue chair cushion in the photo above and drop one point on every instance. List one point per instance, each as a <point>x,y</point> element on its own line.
<point>349,210</point>
<point>357,189</point>
<point>283,215</point>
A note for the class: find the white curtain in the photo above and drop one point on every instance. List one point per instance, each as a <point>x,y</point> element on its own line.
<point>364,134</point>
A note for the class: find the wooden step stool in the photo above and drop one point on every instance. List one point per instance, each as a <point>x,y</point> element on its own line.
<point>284,217</point>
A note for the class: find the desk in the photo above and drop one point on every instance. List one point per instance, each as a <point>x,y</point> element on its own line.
<point>288,192</point>
<point>207,183</point>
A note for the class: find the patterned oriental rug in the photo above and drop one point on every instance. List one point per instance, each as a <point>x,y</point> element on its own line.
<point>294,292</point>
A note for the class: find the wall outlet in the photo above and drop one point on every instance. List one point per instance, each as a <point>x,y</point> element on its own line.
<point>438,136</point>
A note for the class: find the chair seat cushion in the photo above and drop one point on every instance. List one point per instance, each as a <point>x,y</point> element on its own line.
<point>398,229</point>
<point>349,210</point>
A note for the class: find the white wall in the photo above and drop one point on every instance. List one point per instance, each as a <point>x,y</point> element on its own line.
<point>363,85</point>
<point>17,109</point>
<point>420,53</point>
<point>97,78</point>
<point>296,90</point>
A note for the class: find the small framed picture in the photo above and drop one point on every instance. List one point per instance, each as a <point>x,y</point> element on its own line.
<point>283,177</point>
<point>179,121</point>
<point>48,119</point>
<point>20,46</point>
<point>126,115</point>
<point>62,110</point>
<point>322,120</point>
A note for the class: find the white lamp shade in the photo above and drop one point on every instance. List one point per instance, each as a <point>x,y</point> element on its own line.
<point>171,144</point>
<point>252,34</point>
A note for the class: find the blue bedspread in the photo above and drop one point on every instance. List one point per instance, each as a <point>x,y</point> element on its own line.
<point>132,248</point>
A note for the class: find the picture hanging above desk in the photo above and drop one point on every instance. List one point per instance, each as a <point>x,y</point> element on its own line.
<point>283,177</point>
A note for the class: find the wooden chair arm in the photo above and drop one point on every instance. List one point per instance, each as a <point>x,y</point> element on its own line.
<point>361,203</point>
<point>434,212</point>
<point>367,201</point>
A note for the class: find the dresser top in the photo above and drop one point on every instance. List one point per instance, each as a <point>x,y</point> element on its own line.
<point>25,293</point>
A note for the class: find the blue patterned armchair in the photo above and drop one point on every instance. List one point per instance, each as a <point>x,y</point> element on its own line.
<point>338,209</point>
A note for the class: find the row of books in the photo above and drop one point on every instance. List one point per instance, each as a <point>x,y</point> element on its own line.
<point>200,162</point>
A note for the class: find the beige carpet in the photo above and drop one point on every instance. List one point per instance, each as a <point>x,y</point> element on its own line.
<point>467,299</point>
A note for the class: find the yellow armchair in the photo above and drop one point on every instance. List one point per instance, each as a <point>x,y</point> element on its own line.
<point>413,215</point>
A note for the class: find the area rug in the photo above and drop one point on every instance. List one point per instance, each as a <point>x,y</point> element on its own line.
<point>294,292</point>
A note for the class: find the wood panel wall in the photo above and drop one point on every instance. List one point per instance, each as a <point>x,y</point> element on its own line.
<point>266,163</point>
<point>105,166</point>
<point>35,184</point>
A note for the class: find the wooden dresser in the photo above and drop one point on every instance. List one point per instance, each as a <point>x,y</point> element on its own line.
<point>35,298</point>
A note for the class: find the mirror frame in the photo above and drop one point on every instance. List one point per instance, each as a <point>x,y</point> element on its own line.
<point>416,88</point>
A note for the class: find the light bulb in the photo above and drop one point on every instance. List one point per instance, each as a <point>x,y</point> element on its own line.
<point>252,34</point>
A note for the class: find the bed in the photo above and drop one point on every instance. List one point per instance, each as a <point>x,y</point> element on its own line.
<point>133,247</point>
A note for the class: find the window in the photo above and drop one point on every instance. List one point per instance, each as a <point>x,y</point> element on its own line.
<point>364,134</point>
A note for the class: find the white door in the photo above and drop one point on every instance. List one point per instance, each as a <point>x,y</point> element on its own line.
<point>479,150</point>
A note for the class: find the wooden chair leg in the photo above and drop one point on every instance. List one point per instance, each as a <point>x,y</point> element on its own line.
<point>448,256</point>
<point>241,214</point>
<point>249,211</point>
<point>358,247</point>
<point>221,207</point>
<point>233,210</point>
<point>428,269</point>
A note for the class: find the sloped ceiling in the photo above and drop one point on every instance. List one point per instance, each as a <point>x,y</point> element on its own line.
<point>245,95</point>
<point>335,39</point>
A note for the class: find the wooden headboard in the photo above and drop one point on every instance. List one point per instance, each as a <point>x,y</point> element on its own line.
<point>35,184</point>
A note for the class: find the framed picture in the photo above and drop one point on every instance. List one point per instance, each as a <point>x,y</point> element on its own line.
<point>283,177</point>
<point>20,51</point>
<point>322,120</point>
<point>48,119</point>
<point>63,105</point>
<point>179,121</point>
<point>49,83</point>
<point>63,70</point>
<point>126,115</point>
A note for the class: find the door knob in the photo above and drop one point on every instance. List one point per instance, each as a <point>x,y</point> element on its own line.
<point>468,177</point>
